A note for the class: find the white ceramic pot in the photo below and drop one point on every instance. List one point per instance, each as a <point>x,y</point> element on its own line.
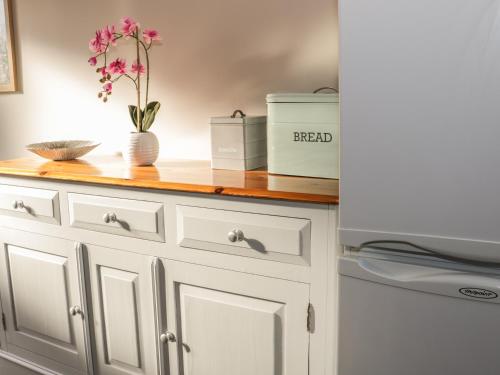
<point>141,149</point>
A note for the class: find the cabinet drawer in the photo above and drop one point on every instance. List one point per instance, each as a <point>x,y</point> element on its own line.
<point>28,203</point>
<point>277,238</point>
<point>124,217</point>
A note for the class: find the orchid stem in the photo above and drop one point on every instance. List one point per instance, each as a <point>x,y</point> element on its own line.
<point>139,126</point>
<point>146,49</point>
<point>125,75</point>
<point>147,76</point>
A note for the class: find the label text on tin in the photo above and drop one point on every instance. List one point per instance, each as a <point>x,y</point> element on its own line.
<point>312,137</point>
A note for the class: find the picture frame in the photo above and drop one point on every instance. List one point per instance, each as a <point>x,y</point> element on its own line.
<point>8,78</point>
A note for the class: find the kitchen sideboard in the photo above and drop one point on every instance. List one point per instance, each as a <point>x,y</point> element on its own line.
<point>169,269</point>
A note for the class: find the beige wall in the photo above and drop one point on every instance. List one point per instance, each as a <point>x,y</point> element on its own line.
<point>217,55</point>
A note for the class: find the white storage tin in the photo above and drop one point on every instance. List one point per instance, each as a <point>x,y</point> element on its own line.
<point>303,134</point>
<point>238,142</point>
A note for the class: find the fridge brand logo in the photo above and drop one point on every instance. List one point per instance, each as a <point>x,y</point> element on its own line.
<point>478,293</point>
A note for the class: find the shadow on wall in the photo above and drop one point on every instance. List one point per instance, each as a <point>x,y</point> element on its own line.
<point>216,56</point>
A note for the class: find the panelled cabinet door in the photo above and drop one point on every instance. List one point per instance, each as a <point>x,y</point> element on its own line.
<point>122,299</point>
<point>3,341</point>
<point>40,288</point>
<point>223,322</point>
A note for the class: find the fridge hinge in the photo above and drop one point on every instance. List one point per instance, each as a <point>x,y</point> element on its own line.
<point>310,318</point>
<point>4,322</point>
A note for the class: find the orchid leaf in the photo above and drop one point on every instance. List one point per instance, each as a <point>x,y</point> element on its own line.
<point>132,110</point>
<point>150,112</point>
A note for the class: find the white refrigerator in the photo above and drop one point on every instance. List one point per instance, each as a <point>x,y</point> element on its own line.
<point>420,187</point>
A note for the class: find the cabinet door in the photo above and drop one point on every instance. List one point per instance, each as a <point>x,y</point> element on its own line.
<point>223,322</point>
<point>122,300</point>
<point>39,286</point>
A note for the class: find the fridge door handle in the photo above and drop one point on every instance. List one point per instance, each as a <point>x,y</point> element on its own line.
<point>435,253</point>
<point>453,283</point>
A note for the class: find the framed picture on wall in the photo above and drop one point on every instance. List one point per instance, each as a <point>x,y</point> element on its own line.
<point>8,82</point>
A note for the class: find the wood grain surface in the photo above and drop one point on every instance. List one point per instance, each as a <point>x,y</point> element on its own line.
<point>178,175</point>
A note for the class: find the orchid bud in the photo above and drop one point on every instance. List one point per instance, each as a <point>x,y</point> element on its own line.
<point>105,99</point>
<point>99,95</point>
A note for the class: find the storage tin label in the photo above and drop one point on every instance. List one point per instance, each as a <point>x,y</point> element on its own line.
<point>313,137</point>
<point>478,293</point>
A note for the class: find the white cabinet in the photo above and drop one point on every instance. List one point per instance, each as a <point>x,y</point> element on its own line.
<point>178,284</point>
<point>41,299</point>
<point>229,323</point>
<point>122,299</point>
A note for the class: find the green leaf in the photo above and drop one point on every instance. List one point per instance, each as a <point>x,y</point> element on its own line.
<point>149,116</point>
<point>132,110</point>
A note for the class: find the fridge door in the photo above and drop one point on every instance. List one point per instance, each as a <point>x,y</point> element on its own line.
<point>420,116</point>
<point>410,319</point>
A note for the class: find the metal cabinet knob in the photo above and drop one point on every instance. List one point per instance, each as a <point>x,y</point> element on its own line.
<point>235,235</point>
<point>167,337</point>
<point>18,204</point>
<point>109,218</point>
<point>75,310</point>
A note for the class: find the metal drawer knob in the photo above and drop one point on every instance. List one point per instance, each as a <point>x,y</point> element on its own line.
<point>18,204</point>
<point>167,337</point>
<point>235,235</point>
<point>75,310</point>
<point>109,218</point>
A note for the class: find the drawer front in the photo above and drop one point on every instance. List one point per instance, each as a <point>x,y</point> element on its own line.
<point>277,238</point>
<point>28,203</point>
<point>124,217</point>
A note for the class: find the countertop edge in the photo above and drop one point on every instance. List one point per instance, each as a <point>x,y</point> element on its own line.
<point>175,186</point>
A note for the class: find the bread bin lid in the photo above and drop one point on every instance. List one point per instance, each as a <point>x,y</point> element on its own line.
<point>238,118</point>
<point>316,97</point>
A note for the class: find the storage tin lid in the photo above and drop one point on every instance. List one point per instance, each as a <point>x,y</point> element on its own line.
<point>238,118</point>
<point>315,97</point>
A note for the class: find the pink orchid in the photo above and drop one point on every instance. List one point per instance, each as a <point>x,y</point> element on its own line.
<point>138,68</point>
<point>113,69</point>
<point>150,35</point>
<point>108,87</point>
<point>129,26</point>
<point>96,44</point>
<point>108,35</point>
<point>118,66</point>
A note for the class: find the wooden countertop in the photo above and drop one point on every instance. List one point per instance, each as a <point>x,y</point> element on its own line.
<point>178,175</point>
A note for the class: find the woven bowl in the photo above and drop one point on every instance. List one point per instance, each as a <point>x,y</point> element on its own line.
<point>62,150</point>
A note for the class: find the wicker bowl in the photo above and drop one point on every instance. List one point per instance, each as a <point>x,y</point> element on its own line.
<point>62,150</point>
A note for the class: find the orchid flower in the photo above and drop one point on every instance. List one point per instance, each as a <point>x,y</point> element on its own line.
<point>108,87</point>
<point>137,68</point>
<point>118,66</point>
<point>108,35</point>
<point>97,44</point>
<point>150,35</point>
<point>129,26</point>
